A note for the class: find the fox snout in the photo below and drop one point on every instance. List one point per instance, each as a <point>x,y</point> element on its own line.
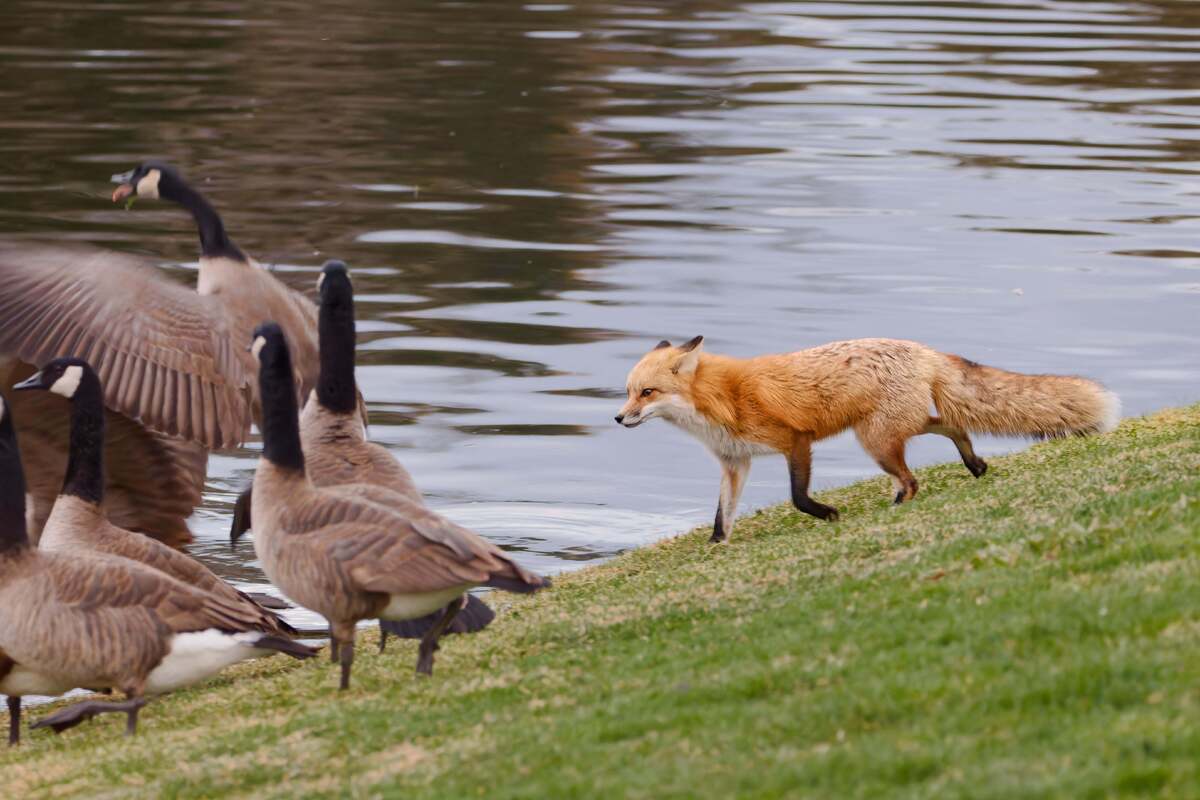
<point>629,417</point>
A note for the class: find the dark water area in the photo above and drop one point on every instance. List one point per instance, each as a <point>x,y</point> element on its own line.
<point>531,195</point>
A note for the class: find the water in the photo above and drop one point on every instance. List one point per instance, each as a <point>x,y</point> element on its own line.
<point>531,195</point>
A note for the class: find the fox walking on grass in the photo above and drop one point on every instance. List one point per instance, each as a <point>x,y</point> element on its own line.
<point>883,388</point>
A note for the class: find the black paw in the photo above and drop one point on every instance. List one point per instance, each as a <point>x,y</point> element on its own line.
<point>977,466</point>
<point>820,511</point>
<point>717,537</point>
<point>899,498</point>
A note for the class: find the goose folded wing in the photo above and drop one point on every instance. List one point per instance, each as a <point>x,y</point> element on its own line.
<point>382,561</point>
<point>103,585</point>
<point>384,509</point>
<point>468,544</point>
<point>164,353</point>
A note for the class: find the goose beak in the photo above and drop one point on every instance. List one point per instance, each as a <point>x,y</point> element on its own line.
<point>32,382</point>
<point>125,189</point>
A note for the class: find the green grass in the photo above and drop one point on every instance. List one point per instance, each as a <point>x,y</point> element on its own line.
<point>1034,633</point>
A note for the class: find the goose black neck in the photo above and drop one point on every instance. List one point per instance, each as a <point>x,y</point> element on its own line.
<point>281,417</point>
<point>13,536</point>
<point>214,242</point>
<point>85,457</point>
<point>336,390</point>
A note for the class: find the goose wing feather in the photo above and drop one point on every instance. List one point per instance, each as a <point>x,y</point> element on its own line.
<point>163,352</point>
<point>188,570</point>
<point>102,616</point>
<point>388,543</point>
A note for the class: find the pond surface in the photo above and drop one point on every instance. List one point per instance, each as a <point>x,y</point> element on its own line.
<point>531,195</point>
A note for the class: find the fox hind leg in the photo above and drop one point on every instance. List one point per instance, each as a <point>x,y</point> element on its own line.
<point>966,451</point>
<point>884,444</point>
<point>733,480</point>
<point>800,469</point>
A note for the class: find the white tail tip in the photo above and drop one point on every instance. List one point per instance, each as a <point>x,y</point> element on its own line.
<point>1112,412</point>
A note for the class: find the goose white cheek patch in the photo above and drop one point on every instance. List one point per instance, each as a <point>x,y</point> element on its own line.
<point>68,382</point>
<point>256,348</point>
<point>1,408</point>
<point>320,281</point>
<point>148,185</point>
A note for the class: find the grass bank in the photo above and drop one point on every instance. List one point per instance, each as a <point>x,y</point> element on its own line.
<point>1035,633</point>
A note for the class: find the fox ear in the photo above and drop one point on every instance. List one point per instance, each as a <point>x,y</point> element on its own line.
<point>691,357</point>
<point>662,344</point>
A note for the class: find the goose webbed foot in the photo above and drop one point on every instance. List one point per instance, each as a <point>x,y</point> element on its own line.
<point>69,717</point>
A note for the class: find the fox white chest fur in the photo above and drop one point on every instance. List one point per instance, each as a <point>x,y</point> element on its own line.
<point>717,438</point>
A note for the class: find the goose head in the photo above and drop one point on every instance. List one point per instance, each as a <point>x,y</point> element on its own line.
<point>268,344</point>
<point>62,376</point>
<point>334,275</point>
<point>151,179</point>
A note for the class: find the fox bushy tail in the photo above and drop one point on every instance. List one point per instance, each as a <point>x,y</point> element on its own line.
<point>982,399</point>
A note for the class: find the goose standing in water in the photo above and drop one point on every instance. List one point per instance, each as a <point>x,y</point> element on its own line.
<point>175,386</point>
<point>346,557</point>
<point>68,620</point>
<point>336,449</point>
<point>77,523</point>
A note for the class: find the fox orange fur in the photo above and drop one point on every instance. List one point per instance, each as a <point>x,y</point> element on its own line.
<point>882,388</point>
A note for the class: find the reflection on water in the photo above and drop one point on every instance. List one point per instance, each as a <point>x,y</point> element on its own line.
<point>532,195</point>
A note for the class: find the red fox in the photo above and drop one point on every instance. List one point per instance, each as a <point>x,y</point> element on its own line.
<point>883,388</point>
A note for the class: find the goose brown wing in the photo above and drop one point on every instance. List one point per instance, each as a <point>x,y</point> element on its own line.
<point>102,586</point>
<point>191,572</point>
<point>463,542</point>
<point>390,544</point>
<point>382,560</point>
<point>163,352</point>
<point>155,482</point>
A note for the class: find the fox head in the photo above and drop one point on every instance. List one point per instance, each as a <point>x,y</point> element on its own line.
<point>660,384</point>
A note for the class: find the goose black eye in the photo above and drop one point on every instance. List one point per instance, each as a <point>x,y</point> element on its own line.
<point>647,392</point>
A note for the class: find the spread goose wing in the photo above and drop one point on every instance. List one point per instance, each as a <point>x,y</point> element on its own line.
<point>163,352</point>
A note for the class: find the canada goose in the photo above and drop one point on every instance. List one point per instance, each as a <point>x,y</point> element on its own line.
<point>346,557</point>
<point>336,450</point>
<point>77,523</point>
<point>162,351</point>
<point>332,433</point>
<point>71,620</point>
<point>16,680</point>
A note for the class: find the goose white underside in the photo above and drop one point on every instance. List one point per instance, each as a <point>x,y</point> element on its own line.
<point>403,607</point>
<point>193,657</point>
<point>21,681</point>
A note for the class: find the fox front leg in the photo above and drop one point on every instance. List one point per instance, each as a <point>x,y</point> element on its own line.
<point>800,468</point>
<point>733,480</point>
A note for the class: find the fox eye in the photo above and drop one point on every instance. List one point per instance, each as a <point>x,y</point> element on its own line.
<point>647,392</point>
